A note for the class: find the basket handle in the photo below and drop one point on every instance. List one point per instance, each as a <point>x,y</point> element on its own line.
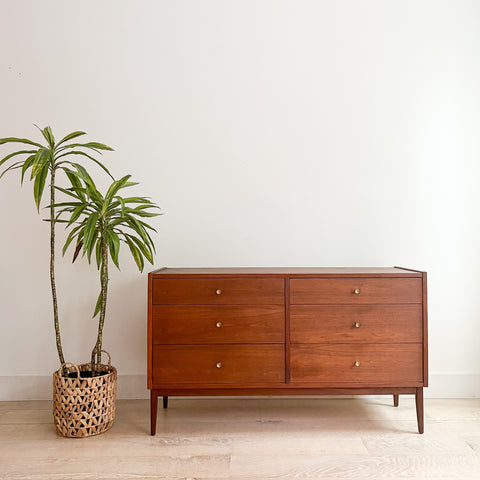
<point>71,365</point>
<point>104,351</point>
<point>109,358</point>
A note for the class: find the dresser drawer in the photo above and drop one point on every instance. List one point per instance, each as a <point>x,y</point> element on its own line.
<point>218,291</point>
<point>218,364</point>
<point>196,324</point>
<point>356,323</point>
<point>322,291</point>
<point>396,365</point>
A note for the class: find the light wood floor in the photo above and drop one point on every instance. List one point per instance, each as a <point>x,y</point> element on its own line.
<point>361,438</point>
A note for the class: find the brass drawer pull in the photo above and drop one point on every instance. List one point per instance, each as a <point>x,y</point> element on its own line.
<point>357,325</point>
<point>218,292</point>
<point>356,291</point>
<point>356,364</point>
<point>219,364</point>
<point>219,324</point>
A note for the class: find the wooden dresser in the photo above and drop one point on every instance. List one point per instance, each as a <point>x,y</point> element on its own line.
<point>287,331</point>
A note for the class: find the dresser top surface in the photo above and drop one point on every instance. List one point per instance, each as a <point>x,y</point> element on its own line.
<point>292,271</point>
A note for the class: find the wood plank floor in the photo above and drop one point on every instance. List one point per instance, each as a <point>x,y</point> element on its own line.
<point>306,438</point>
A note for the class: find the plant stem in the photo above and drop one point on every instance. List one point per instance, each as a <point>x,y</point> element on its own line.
<point>103,304</point>
<point>52,267</point>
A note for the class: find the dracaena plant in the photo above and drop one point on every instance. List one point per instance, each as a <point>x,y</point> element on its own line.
<point>99,225</point>
<point>41,163</point>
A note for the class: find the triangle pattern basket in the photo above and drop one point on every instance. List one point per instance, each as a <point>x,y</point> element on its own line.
<point>83,407</point>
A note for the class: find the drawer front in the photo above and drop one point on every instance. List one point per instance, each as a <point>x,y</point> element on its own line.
<point>196,324</point>
<point>320,291</point>
<point>356,323</point>
<point>218,291</point>
<point>382,365</point>
<point>237,364</point>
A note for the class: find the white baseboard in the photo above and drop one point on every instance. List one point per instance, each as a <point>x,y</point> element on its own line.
<point>27,387</point>
<point>453,386</point>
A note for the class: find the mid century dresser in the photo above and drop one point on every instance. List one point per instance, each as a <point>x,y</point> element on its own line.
<point>287,331</point>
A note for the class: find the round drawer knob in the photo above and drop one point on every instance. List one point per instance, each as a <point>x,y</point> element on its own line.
<point>357,325</point>
<point>356,364</point>
<point>219,364</point>
<point>218,292</point>
<point>219,324</point>
<point>356,291</point>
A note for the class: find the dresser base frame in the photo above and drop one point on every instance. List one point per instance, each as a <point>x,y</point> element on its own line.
<point>166,392</point>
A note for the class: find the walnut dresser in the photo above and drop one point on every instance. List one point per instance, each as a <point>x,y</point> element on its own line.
<point>287,331</point>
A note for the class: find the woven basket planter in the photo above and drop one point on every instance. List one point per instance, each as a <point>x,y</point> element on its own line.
<point>83,407</point>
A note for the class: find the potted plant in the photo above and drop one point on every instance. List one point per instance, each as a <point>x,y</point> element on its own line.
<point>42,162</point>
<point>99,225</point>
<point>84,395</point>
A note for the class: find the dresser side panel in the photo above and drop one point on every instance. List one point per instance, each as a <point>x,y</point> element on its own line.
<point>149,332</point>
<point>425,329</point>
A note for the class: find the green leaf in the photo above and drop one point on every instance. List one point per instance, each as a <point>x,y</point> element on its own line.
<point>82,173</point>
<point>88,156</point>
<point>122,206</point>
<point>73,177</point>
<point>26,165</point>
<point>150,241</point>
<point>14,166</point>
<point>90,187</point>
<point>54,221</point>
<point>70,193</point>
<point>144,206</point>
<point>76,213</point>
<point>20,152</point>
<point>39,184</point>
<point>140,228</point>
<point>129,184</point>
<point>115,187</point>
<point>91,145</point>
<point>98,306</point>
<point>146,225</point>
<point>70,136</point>
<point>144,248</point>
<point>114,246</point>
<point>137,227</point>
<point>70,237</point>
<point>76,233</point>
<point>137,200</point>
<point>69,240</point>
<point>76,183</point>
<point>113,207</point>
<point>98,253</point>
<point>48,135</point>
<point>41,158</point>
<point>90,234</point>
<point>97,145</point>
<point>137,256</point>
<point>141,213</point>
<point>116,222</point>
<point>71,205</point>
<point>95,196</point>
<point>19,140</point>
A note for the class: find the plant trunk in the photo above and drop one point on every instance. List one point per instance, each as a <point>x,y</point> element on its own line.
<point>52,269</point>
<point>97,351</point>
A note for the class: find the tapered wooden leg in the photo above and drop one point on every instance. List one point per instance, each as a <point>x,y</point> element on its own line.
<point>165,402</point>
<point>395,400</point>
<point>419,405</point>
<point>153,411</point>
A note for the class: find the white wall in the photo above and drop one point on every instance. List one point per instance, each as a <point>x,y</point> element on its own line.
<point>272,133</point>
